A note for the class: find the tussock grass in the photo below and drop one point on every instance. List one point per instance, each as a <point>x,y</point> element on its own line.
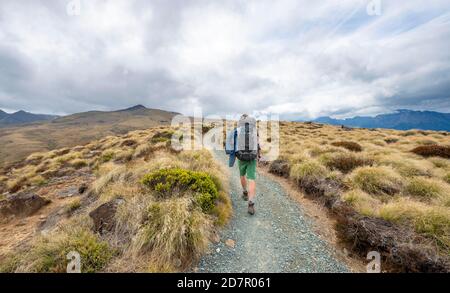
<point>311,169</point>
<point>108,173</point>
<point>174,230</point>
<point>426,188</point>
<point>440,162</point>
<point>377,180</point>
<point>73,205</point>
<point>48,253</point>
<point>447,178</point>
<point>362,202</point>
<point>432,221</point>
<point>78,163</point>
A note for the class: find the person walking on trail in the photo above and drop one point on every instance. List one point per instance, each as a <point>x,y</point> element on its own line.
<point>242,143</point>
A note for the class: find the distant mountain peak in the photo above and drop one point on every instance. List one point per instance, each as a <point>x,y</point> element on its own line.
<point>134,108</point>
<point>22,117</point>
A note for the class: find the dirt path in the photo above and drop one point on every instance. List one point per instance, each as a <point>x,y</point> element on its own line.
<point>278,238</point>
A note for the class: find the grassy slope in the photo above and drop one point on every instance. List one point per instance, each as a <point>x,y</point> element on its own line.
<point>155,230</point>
<point>384,179</point>
<point>78,129</point>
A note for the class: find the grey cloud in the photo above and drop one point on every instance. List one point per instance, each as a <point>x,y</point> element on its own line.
<point>228,57</point>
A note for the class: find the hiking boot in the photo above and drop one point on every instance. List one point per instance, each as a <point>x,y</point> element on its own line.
<point>251,208</point>
<point>245,195</point>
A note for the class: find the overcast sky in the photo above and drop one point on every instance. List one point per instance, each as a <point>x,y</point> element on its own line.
<point>301,59</point>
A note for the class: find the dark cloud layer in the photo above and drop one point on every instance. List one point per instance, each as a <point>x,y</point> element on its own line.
<point>296,58</point>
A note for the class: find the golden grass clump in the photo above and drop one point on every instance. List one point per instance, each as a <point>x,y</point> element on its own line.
<point>310,170</point>
<point>48,253</point>
<point>432,221</point>
<point>426,188</point>
<point>364,203</point>
<point>377,180</point>
<point>174,231</point>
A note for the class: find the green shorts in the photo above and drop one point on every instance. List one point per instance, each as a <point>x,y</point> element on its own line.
<point>247,168</point>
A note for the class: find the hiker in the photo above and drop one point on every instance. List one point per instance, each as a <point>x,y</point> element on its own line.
<point>242,143</point>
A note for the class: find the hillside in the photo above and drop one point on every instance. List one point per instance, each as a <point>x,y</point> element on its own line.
<point>22,117</point>
<point>401,120</point>
<point>388,190</point>
<point>77,129</point>
<point>105,201</point>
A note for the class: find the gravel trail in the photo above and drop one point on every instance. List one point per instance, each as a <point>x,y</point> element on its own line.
<point>278,238</point>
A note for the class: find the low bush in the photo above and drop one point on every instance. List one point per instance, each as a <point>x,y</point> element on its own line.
<point>280,167</point>
<point>433,151</point>
<point>172,181</point>
<point>162,136</point>
<point>390,140</point>
<point>107,156</point>
<point>349,145</point>
<point>346,162</point>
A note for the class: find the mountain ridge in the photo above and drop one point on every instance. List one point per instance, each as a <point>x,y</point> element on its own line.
<point>22,117</point>
<point>401,119</point>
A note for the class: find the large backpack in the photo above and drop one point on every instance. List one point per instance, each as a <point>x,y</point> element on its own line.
<point>247,140</point>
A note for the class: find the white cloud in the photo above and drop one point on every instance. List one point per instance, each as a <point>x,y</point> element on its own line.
<point>299,58</point>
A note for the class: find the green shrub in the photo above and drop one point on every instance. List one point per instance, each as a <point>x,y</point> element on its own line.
<point>408,133</point>
<point>168,181</point>
<point>350,145</point>
<point>390,140</point>
<point>377,180</point>
<point>107,156</point>
<point>162,136</point>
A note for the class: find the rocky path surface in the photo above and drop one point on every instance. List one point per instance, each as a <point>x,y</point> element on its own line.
<point>278,238</point>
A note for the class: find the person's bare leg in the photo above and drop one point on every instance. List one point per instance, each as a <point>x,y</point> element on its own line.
<point>251,190</point>
<point>244,188</point>
<point>244,183</point>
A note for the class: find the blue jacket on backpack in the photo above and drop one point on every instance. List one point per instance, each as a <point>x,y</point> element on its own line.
<point>230,146</point>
